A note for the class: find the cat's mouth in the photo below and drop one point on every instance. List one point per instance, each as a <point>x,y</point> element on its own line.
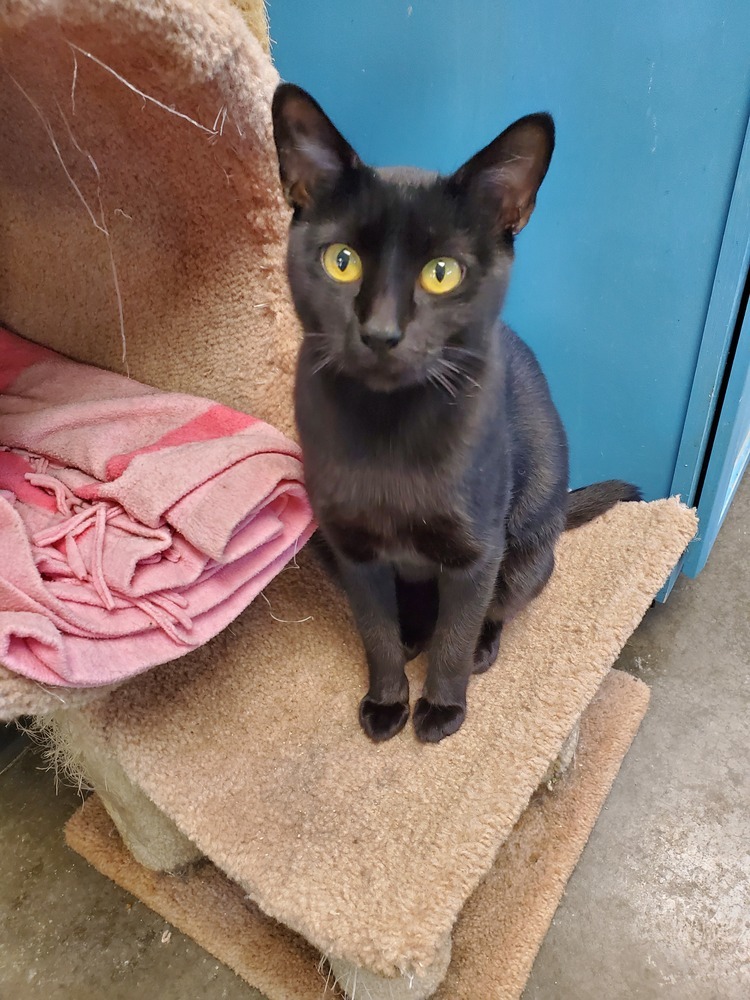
<point>452,370</point>
<point>387,374</point>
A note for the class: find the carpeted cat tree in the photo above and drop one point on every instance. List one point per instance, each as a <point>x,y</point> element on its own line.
<point>143,230</point>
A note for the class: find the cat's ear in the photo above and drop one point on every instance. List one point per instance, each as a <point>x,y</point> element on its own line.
<point>509,171</point>
<point>311,150</point>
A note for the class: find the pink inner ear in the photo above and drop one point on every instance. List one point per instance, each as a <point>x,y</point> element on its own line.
<point>511,169</point>
<point>513,190</point>
<point>321,158</point>
<point>310,147</point>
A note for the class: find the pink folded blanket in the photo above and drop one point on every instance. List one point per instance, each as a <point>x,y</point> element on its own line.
<point>134,524</point>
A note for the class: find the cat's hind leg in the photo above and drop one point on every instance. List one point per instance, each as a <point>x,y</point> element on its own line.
<point>523,574</point>
<point>488,645</point>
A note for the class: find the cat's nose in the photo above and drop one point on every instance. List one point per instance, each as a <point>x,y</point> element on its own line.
<point>381,340</point>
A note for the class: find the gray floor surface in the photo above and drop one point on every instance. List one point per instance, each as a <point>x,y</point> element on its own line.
<point>659,906</point>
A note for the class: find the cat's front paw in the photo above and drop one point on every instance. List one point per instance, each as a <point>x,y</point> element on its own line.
<point>381,722</point>
<point>433,723</point>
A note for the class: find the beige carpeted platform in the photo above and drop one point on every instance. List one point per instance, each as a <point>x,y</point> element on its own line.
<point>252,746</point>
<point>501,927</point>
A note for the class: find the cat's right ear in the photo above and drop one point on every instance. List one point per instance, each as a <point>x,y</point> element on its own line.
<point>508,172</point>
<point>312,152</point>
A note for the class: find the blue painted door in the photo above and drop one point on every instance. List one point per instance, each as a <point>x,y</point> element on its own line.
<point>729,454</point>
<point>715,445</point>
<point>615,272</point>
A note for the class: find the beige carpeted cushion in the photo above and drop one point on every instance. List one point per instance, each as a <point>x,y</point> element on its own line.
<point>252,746</point>
<point>500,929</point>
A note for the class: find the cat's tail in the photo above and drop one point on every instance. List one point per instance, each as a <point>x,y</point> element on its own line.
<point>589,502</point>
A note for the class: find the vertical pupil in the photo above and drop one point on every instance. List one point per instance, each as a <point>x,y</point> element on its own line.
<point>342,259</point>
<point>440,270</point>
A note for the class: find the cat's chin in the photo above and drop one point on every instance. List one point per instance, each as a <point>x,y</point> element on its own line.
<point>385,384</point>
<point>388,382</point>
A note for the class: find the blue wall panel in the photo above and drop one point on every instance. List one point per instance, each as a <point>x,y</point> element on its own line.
<point>615,270</point>
<point>730,455</point>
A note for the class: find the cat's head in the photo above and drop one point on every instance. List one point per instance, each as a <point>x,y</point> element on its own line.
<point>398,276</point>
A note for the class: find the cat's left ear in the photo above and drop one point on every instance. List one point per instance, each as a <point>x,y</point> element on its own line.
<point>312,152</point>
<point>509,171</point>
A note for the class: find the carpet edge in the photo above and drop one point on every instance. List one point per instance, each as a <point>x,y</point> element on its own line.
<point>280,963</point>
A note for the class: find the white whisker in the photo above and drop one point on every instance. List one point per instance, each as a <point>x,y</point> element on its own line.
<point>322,364</point>
<point>458,371</point>
<point>451,373</point>
<point>441,382</point>
<point>449,366</point>
<point>465,351</point>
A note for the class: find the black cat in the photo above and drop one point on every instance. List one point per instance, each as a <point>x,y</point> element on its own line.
<point>435,460</point>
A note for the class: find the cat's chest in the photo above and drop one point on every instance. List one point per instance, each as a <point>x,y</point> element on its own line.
<point>414,520</point>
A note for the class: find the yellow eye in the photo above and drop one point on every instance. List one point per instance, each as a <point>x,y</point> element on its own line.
<point>342,263</point>
<point>441,275</point>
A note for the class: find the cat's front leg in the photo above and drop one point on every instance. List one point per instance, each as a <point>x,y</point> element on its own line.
<point>371,588</point>
<point>465,596</point>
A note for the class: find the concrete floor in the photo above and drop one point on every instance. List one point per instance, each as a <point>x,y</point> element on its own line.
<point>659,906</point>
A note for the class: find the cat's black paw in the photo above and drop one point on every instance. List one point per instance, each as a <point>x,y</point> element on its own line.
<point>488,645</point>
<point>433,723</point>
<point>381,722</point>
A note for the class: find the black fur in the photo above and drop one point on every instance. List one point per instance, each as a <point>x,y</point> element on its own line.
<point>588,502</point>
<point>436,462</point>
